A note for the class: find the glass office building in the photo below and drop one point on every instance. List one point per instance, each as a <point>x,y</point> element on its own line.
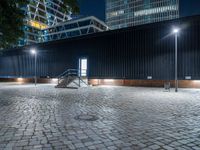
<point>126,13</point>
<point>73,28</point>
<point>41,14</point>
<point>45,22</point>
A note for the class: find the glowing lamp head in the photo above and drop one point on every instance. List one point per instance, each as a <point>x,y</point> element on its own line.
<point>176,30</point>
<point>33,51</point>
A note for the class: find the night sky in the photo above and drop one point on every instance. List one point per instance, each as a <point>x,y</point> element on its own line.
<point>97,8</point>
<point>189,7</point>
<point>93,8</point>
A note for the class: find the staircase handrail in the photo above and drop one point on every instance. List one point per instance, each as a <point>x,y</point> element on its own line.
<point>83,81</point>
<point>68,72</point>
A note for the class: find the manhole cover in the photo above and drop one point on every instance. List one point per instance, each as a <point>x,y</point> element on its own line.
<point>86,117</point>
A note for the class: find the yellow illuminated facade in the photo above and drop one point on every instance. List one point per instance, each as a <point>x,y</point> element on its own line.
<point>37,25</point>
<point>41,15</point>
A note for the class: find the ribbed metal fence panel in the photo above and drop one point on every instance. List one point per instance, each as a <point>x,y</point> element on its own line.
<point>132,53</point>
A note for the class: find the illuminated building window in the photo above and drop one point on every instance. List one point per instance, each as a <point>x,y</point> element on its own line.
<point>37,25</point>
<point>125,13</point>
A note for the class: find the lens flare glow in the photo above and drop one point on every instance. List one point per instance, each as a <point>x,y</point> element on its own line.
<point>175,30</point>
<point>33,51</point>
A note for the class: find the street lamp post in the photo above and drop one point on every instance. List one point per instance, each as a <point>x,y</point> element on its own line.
<point>1,34</point>
<point>175,31</point>
<point>34,52</point>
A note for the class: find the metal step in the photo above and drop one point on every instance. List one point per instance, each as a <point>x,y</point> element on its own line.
<point>65,82</point>
<point>70,79</point>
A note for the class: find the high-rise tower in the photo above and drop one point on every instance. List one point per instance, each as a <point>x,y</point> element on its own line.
<point>126,13</point>
<point>41,14</point>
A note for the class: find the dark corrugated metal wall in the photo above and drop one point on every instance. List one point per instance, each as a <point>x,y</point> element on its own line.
<point>132,53</point>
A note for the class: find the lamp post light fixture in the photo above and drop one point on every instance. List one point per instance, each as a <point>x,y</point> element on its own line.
<point>34,52</point>
<point>176,31</point>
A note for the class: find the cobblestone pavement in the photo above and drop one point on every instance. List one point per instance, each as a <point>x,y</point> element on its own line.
<point>128,118</point>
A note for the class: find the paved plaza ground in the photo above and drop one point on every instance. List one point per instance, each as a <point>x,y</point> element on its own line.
<point>123,118</point>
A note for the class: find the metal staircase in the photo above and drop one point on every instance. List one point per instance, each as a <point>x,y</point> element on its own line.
<point>69,77</point>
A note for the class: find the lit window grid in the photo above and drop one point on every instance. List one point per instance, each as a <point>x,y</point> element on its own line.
<point>137,21</point>
<point>74,28</point>
<point>132,4</point>
<point>46,11</point>
<point>115,7</point>
<point>41,14</point>
<point>134,8</point>
<point>63,30</point>
<point>135,4</point>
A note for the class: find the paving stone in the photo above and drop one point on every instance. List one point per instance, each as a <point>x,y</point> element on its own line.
<point>154,147</point>
<point>168,148</point>
<point>43,117</point>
